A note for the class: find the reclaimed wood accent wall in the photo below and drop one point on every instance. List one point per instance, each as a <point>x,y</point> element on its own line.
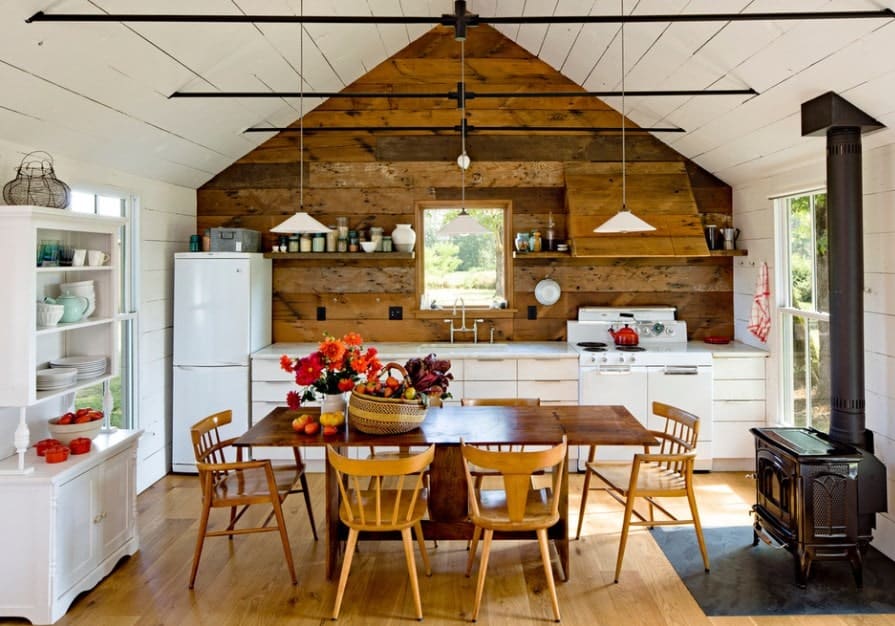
<point>375,178</point>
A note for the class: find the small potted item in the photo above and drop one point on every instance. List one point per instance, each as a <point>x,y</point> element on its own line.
<point>80,445</point>
<point>56,454</point>
<point>42,445</point>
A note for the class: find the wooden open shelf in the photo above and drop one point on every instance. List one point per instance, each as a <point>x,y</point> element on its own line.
<point>729,252</point>
<point>541,255</point>
<point>341,256</point>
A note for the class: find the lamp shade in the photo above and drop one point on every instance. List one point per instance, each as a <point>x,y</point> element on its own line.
<point>624,222</point>
<point>463,224</point>
<point>300,223</point>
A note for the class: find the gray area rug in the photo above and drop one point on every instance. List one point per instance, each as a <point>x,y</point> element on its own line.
<point>760,580</point>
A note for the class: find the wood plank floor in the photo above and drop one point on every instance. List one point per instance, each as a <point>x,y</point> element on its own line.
<point>244,582</point>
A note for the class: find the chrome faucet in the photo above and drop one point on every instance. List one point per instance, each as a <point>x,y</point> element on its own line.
<point>462,329</point>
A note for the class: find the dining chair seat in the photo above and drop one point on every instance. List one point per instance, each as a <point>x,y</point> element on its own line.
<point>493,505</point>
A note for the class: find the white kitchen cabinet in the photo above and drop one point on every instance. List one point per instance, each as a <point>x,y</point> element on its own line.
<point>489,378</point>
<point>688,388</point>
<point>66,526</point>
<point>739,403</point>
<point>554,381</point>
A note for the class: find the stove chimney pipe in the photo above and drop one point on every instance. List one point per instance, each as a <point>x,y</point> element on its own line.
<point>842,123</point>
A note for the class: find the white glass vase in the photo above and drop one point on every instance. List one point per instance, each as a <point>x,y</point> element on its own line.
<point>334,403</point>
<point>403,238</point>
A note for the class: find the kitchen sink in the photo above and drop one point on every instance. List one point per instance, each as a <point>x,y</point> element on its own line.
<point>446,346</point>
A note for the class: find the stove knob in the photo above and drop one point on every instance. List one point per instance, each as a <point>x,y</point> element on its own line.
<point>632,358</point>
<point>605,359</point>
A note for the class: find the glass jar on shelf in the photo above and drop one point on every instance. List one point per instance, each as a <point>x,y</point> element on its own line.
<point>318,243</point>
<point>522,242</point>
<point>534,241</point>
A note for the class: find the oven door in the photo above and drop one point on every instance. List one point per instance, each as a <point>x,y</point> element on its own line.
<point>688,387</point>
<point>614,384</point>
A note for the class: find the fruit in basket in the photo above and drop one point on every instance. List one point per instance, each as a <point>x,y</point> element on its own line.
<point>299,423</point>
<point>409,393</point>
<point>67,418</point>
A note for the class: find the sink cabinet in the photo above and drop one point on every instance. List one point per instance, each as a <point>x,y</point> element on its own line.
<point>66,526</point>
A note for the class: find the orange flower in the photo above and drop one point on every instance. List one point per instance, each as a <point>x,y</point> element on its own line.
<point>286,363</point>
<point>332,349</point>
<point>352,339</point>
<point>346,384</point>
<point>359,364</point>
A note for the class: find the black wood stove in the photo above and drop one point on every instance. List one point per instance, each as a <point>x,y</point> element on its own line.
<point>817,494</point>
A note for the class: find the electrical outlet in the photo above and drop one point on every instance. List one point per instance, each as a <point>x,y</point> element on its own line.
<point>396,312</point>
<point>532,312</point>
<point>321,313</point>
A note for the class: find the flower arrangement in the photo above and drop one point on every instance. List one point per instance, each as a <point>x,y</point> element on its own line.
<point>334,368</point>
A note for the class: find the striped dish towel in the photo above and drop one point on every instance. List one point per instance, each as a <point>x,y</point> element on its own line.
<point>760,318</point>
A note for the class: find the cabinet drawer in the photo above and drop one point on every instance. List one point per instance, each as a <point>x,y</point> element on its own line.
<point>739,368</point>
<point>738,389</point>
<point>269,369</point>
<point>490,389</point>
<point>272,392</point>
<point>490,369</point>
<point>547,369</point>
<point>738,410</point>
<point>549,390</point>
<point>734,441</point>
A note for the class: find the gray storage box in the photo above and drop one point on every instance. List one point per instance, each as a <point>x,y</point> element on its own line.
<point>235,240</point>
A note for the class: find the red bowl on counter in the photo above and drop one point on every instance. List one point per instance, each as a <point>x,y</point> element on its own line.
<point>80,445</point>
<point>56,454</point>
<point>42,445</point>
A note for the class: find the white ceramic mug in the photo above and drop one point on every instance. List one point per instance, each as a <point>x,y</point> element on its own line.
<point>96,257</point>
<point>79,257</point>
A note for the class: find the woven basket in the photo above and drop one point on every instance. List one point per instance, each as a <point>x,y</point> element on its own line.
<point>385,416</point>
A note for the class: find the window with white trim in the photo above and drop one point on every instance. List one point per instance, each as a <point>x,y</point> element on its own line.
<point>804,306</point>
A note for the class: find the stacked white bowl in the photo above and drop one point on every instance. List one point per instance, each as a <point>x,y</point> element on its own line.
<point>49,314</point>
<point>83,288</point>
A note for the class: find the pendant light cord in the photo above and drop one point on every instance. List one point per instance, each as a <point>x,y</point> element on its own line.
<point>301,110</point>
<point>624,182</point>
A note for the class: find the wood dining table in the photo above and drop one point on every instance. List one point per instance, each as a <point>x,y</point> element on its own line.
<point>445,427</point>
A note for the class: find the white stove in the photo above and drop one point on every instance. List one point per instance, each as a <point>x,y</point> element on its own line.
<point>660,368</point>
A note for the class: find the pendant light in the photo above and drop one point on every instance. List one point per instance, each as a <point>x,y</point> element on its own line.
<point>624,221</point>
<point>464,223</point>
<point>301,222</point>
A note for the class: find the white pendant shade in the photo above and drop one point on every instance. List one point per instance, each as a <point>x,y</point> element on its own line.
<point>623,222</point>
<point>463,224</point>
<point>300,223</point>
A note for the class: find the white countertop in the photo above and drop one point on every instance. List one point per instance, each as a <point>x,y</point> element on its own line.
<point>511,350</point>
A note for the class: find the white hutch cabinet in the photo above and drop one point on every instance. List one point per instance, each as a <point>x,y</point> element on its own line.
<point>64,526</point>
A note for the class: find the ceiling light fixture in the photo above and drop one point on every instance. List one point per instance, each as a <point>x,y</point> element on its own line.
<point>301,222</point>
<point>624,221</point>
<point>464,223</point>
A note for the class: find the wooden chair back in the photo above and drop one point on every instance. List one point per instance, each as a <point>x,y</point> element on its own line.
<point>208,446</point>
<point>374,507</point>
<point>678,438</point>
<point>516,469</point>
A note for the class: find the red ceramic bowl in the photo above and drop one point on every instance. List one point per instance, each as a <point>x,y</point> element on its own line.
<point>81,445</point>
<point>56,454</point>
<point>43,444</point>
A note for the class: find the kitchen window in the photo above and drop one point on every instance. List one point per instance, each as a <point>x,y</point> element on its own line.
<point>804,307</point>
<point>123,387</point>
<point>471,268</point>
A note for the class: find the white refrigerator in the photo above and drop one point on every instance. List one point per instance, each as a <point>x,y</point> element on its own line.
<point>222,309</point>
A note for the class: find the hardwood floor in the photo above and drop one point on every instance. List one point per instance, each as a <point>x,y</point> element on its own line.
<point>245,582</point>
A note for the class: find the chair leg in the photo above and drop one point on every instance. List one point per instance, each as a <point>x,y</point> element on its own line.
<point>411,570</point>
<point>200,540</point>
<point>307,494</point>
<point>691,497</point>
<point>346,567</point>
<point>418,529</point>
<point>483,569</point>
<point>584,492</point>
<point>472,548</point>
<point>284,537</point>
<point>548,570</point>
<point>626,526</point>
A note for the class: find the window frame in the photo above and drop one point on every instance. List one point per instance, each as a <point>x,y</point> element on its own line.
<point>504,204</point>
<point>787,313</point>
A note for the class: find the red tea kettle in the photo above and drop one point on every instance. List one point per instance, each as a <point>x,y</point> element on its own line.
<point>625,336</point>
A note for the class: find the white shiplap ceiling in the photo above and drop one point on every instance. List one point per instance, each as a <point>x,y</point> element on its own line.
<point>99,91</point>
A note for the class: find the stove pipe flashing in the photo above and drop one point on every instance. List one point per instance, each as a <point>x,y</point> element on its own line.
<point>843,124</point>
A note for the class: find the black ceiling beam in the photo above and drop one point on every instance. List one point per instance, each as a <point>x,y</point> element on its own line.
<point>459,22</point>
<point>453,95</point>
<point>469,128</point>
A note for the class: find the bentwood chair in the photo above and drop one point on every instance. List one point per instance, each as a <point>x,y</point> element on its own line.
<point>667,473</point>
<point>237,485</point>
<point>516,507</point>
<point>377,509</point>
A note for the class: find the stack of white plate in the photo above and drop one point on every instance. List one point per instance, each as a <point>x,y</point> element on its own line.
<point>83,288</point>
<point>86,366</point>
<point>56,378</point>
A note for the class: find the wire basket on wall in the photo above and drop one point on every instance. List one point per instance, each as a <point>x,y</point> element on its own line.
<point>36,183</point>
